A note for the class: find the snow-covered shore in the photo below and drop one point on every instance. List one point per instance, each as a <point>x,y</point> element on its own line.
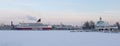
<point>58,38</point>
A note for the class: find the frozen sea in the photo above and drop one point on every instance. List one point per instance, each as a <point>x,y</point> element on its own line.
<point>58,38</point>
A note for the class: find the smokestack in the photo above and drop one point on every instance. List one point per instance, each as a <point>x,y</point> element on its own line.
<point>39,20</point>
<point>12,25</point>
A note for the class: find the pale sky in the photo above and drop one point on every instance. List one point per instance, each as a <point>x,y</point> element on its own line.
<point>73,12</point>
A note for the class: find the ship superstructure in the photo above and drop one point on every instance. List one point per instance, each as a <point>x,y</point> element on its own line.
<point>33,26</point>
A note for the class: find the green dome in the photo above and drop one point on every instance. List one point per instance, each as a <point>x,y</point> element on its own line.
<point>100,22</point>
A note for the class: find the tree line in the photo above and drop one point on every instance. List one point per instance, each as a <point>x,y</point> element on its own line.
<point>88,25</point>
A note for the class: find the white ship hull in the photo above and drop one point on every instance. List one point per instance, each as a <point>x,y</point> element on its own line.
<point>33,26</point>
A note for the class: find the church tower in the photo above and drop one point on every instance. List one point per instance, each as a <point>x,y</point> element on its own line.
<point>100,19</point>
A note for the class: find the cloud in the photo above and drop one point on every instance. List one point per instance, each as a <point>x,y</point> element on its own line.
<point>29,17</point>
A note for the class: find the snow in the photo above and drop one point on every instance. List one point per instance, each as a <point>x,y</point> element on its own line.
<point>58,38</point>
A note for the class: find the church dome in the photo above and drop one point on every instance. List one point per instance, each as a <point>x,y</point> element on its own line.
<point>102,23</point>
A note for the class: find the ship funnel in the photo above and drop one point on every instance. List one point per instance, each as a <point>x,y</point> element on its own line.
<point>39,20</point>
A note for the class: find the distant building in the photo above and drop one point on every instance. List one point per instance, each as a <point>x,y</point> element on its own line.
<point>5,27</point>
<point>102,26</point>
<point>65,27</point>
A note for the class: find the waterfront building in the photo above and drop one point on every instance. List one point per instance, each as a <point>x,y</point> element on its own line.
<point>105,26</point>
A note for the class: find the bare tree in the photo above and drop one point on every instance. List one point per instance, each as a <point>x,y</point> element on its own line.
<point>89,25</point>
<point>118,25</point>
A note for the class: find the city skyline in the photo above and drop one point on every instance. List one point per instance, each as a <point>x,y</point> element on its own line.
<point>72,12</point>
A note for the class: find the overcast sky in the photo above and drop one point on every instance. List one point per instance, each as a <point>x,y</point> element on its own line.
<point>72,12</point>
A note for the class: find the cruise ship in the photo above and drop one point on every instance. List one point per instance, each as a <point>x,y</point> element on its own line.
<point>33,26</point>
